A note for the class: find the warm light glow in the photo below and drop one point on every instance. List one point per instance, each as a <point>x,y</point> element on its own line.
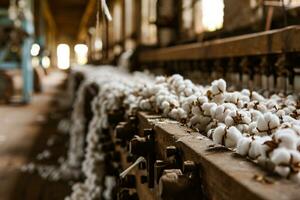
<point>35,49</point>
<point>63,56</point>
<point>213,14</point>
<point>148,28</point>
<point>81,51</point>
<point>35,61</point>
<point>46,62</point>
<point>98,44</point>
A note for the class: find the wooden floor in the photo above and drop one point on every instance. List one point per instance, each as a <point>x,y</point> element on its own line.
<point>24,131</point>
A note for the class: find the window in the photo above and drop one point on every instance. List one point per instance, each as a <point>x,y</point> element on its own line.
<point>63,56</point>
<point>148,28</point>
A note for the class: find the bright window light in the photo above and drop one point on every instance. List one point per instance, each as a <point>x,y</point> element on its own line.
<point>46,62</point>
<point>35,49</point>
<point>213,14</point>
<point>98,44</point>
<point>81,51</point>
<point>63,56</point>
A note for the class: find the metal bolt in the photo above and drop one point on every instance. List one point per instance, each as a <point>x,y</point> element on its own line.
<point>138,146</point>
<point>142,165</point>
<point>148,132</point>
<point>189,166</point>
<point>171,151</point>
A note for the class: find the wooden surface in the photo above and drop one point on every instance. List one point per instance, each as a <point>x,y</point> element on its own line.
<point>274,41</point>
<point>225,175</point>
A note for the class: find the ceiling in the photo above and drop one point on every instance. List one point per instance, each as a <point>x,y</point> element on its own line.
<point>67,15</point>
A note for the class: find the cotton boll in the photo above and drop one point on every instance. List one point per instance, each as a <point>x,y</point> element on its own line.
<point>186,107</point>
<point>181,113</point>
<point>196,110</point>
<point>274,121</point>
<point>255,114</point>
<point>255,148</point>
<point>246,92</point>
<point>165,105</point>
<point>218,89</point>
<point>200,100</point>
<point>282,171</point>
<point>232,137</point>
<point>221,112</point>
<point>295,177</point>
<point>174,113</point>
<point>256,105</point>
<point>188,91</point>
<point>221,85</point>
<point>218,134</point>
<point>212,124</point>
<point>288,119</point>
<point>209,108</point>
<point>253,128</point>
<point>286,138</point>
<point>210,133</point>
<point>280,113</point>
<point>212,110</point>
<point>194,120</point>
<point>230,106</point>
<point>181,87</point>
<point>280,156</point>
<point>257,97</point>
<point>296,128</point>
<point>244,98</point>
<point>243,146</point>
<point>204,121</point>
<point>267,124</point>
<point>295,157</point>
<point>160,79</point>
<point>243,128</point>
<point>246,116</point>
<point>229,121</point>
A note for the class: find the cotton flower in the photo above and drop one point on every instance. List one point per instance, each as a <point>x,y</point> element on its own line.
<point>267,124</point>
<point>282,171</point>
<point>226,136</point>
<point>219,133</point>
<point>280,156</point>
<point>218,89</point>
<point>243,146</point>
<point>237,117</point>
<point>286,138</point>
<point>232,137</point>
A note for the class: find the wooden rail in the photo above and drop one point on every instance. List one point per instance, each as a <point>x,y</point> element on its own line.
<point>269,42</point>
<point>224,175</point>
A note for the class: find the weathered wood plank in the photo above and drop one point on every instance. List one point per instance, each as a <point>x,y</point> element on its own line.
<point>274,41</point>
<point>224,174</point>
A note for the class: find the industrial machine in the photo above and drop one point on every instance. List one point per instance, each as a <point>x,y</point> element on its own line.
<point>179,162</point>
<point>17,30</point>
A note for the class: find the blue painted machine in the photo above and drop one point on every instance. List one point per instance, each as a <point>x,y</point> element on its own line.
<point>15,51</point>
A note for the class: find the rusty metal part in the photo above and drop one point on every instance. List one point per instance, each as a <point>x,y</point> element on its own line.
<point>129,181</point>
<point>175,185</point>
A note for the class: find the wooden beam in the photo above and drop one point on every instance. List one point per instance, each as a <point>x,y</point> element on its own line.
<point>274,41</point>
<point>224,175</point>
<point>48,15</point>
<point>89,11</point>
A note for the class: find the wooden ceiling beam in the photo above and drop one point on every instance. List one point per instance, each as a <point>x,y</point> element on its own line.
<point>83,27</point>
<point>48,15</point>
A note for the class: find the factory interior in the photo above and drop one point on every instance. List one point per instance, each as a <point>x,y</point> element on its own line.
<point>149,99</point>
